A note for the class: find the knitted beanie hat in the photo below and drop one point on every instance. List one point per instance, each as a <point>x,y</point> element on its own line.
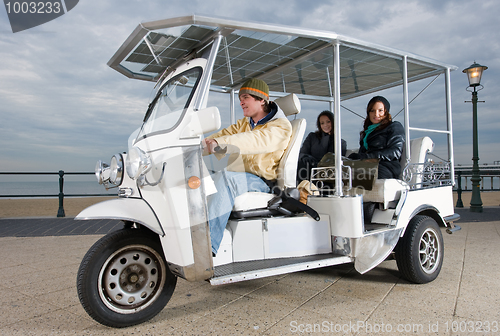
<point>382,100</point>
<point>255,87</point>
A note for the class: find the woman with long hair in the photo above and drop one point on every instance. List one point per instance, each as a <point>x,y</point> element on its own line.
<point>381,138</point>
<point>316,145</point>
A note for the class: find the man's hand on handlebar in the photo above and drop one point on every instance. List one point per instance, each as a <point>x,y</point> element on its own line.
<point>209,145</point>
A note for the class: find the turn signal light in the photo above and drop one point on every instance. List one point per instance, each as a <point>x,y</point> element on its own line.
<point>194,182</point>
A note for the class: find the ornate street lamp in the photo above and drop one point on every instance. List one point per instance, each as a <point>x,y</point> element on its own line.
<point>474,73</point>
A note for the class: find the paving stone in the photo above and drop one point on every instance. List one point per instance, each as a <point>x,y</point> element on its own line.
<point>40,259</point>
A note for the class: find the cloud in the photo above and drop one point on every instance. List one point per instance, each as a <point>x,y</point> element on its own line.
<point>64,108</point>
<point>454,32</point>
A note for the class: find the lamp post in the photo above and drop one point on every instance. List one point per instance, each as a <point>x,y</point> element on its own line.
<point>474,73</point>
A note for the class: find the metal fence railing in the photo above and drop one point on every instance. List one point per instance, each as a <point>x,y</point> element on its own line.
<point>60,195</point>
<point>490,180</point>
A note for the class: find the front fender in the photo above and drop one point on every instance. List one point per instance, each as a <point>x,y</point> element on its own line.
<point>126,209</point>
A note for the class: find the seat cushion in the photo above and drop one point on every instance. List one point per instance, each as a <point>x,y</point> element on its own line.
<point>252,200</point>
<point>384,191</point>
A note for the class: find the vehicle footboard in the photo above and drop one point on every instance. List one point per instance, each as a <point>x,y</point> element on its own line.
<point>248,270</point>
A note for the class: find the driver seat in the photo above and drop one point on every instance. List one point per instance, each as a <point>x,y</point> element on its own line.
<point>253,204</point>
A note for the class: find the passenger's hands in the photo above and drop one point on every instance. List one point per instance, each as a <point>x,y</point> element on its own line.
<point>309,159</point>
<point>354,156</point>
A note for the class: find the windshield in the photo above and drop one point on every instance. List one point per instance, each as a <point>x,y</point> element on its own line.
<point>170,103</point>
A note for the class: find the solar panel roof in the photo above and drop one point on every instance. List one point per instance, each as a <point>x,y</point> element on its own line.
<point>288,59</point>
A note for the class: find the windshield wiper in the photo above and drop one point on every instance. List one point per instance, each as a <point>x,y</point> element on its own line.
<point>181,80</point>
<point>151,105</point>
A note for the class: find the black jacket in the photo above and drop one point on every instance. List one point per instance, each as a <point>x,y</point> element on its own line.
<point>386,145</point>
<point>319,147</point>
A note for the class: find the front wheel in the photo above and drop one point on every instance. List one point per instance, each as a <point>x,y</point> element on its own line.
<point>124,280</point>
<point>419,253</point>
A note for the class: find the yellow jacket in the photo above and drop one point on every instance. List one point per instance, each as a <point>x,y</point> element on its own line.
<point>259,150</point>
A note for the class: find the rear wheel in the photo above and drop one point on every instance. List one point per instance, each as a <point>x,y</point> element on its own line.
<point>123,279</point>
<point>419,253</point>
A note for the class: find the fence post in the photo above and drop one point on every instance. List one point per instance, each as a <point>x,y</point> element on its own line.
<point>60,212</point>
<point>460,204</point>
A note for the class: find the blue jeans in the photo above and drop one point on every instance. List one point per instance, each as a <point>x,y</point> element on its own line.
<point>229,186</point>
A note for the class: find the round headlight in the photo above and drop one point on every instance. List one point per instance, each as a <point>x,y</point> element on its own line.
<point>102,172</point>
<point>138,163</point>
<point>116,169</point>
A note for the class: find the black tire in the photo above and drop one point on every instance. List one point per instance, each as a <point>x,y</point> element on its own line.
<point>124,280</point>
<point>420,252</point>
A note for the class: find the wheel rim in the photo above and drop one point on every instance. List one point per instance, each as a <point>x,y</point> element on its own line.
<point>131,279</point>
<point>430,251</point>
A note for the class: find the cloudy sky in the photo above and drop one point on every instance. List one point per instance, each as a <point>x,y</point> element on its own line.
<point>62,107</point>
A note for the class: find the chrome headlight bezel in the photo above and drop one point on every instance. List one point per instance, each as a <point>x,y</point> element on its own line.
<point>137,163</point>
<point>102,172</point>
<point>116,169</point>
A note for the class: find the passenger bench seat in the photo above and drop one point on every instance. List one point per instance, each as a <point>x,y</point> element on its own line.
<point>388,190</point>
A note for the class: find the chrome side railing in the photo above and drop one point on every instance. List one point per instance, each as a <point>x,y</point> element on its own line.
<point>427,175</point>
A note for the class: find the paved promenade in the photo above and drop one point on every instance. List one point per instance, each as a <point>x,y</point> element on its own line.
<point>40,259</point>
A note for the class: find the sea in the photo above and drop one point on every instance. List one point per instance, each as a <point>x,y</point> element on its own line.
<point>48,186</point>
<point>20,189</point>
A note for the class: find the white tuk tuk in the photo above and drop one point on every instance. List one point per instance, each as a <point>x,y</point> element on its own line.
<point>129,275</point>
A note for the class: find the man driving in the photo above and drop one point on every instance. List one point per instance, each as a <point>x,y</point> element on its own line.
<point>257,143</point>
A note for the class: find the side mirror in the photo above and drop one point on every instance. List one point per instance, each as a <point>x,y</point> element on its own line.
<point>204,121</point>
